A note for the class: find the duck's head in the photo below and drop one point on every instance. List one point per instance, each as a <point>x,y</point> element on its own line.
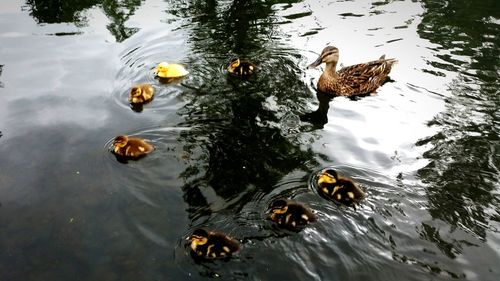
<point>328,177</point>
<point>277,207</point>
<point>198,237</point>
<point>120,141</point>
<point>330,54</point>
<point>233,65</point>
<point>162,67</point>
<point>136,91</point>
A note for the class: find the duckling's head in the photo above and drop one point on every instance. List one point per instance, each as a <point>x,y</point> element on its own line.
<point>120,141</point>
<point>328,177</point>
<point>136,91</point>
<point>330,54</point>
<point>162,67</point>
<point>233,65</point>
<point>279,206</point>
<point>198,237</point>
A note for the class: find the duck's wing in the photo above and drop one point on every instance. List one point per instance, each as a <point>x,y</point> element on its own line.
<point>365,77</point>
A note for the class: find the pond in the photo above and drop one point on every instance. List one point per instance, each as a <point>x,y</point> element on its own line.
<point>424,147</point>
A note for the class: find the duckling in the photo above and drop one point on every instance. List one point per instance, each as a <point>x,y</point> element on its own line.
<point>341,189</point>
<point>212,245</point>
<point>242,68</point>
<point>359,79</point>
<point>170,70</point>
<point>131,147</point>
<point>290,215</point>
<point>141,93</point>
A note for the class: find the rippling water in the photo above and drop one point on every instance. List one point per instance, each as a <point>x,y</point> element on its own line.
<point>424,148</point>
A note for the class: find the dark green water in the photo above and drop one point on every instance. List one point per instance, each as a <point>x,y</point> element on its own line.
<point>425,148</point>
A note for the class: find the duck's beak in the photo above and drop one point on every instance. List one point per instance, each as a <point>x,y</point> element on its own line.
<point>316,63</point>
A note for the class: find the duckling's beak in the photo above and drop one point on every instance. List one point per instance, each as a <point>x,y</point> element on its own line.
<point>270,214</point>
<point>316,63</point>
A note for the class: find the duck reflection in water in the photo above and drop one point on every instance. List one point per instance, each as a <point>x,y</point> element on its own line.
<point>319,117</point>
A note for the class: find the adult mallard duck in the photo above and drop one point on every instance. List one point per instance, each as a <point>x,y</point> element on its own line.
<point>358,79</point>
<point>336,187</point>
<point>241,68</point>
<point>141,93</point>
<point>212,245</point>
<point>290,215</point>
<point>131,147</point>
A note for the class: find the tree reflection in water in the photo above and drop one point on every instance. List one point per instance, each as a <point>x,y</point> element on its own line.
<point>463,170</point>
<point>59,11</point>
<point>241,152</point>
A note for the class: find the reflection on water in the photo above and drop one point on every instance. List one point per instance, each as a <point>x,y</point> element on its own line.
<point>118,11</point>
<point>59,11</point>
<point>1,69</point>
<point>462,175</point>
<point>424,148</point>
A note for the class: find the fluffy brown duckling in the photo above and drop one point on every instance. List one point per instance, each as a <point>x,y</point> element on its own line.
<point>341,189</point>
<point>358,79</point>
<point>131,147</point>
<point>241,68</point>
<point>141,93</point>
<point>290,215</point>
<point>212,245</point>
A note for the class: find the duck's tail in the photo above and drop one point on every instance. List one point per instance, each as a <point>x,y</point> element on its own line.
<point>390,62</point>
<point>382,61</point>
